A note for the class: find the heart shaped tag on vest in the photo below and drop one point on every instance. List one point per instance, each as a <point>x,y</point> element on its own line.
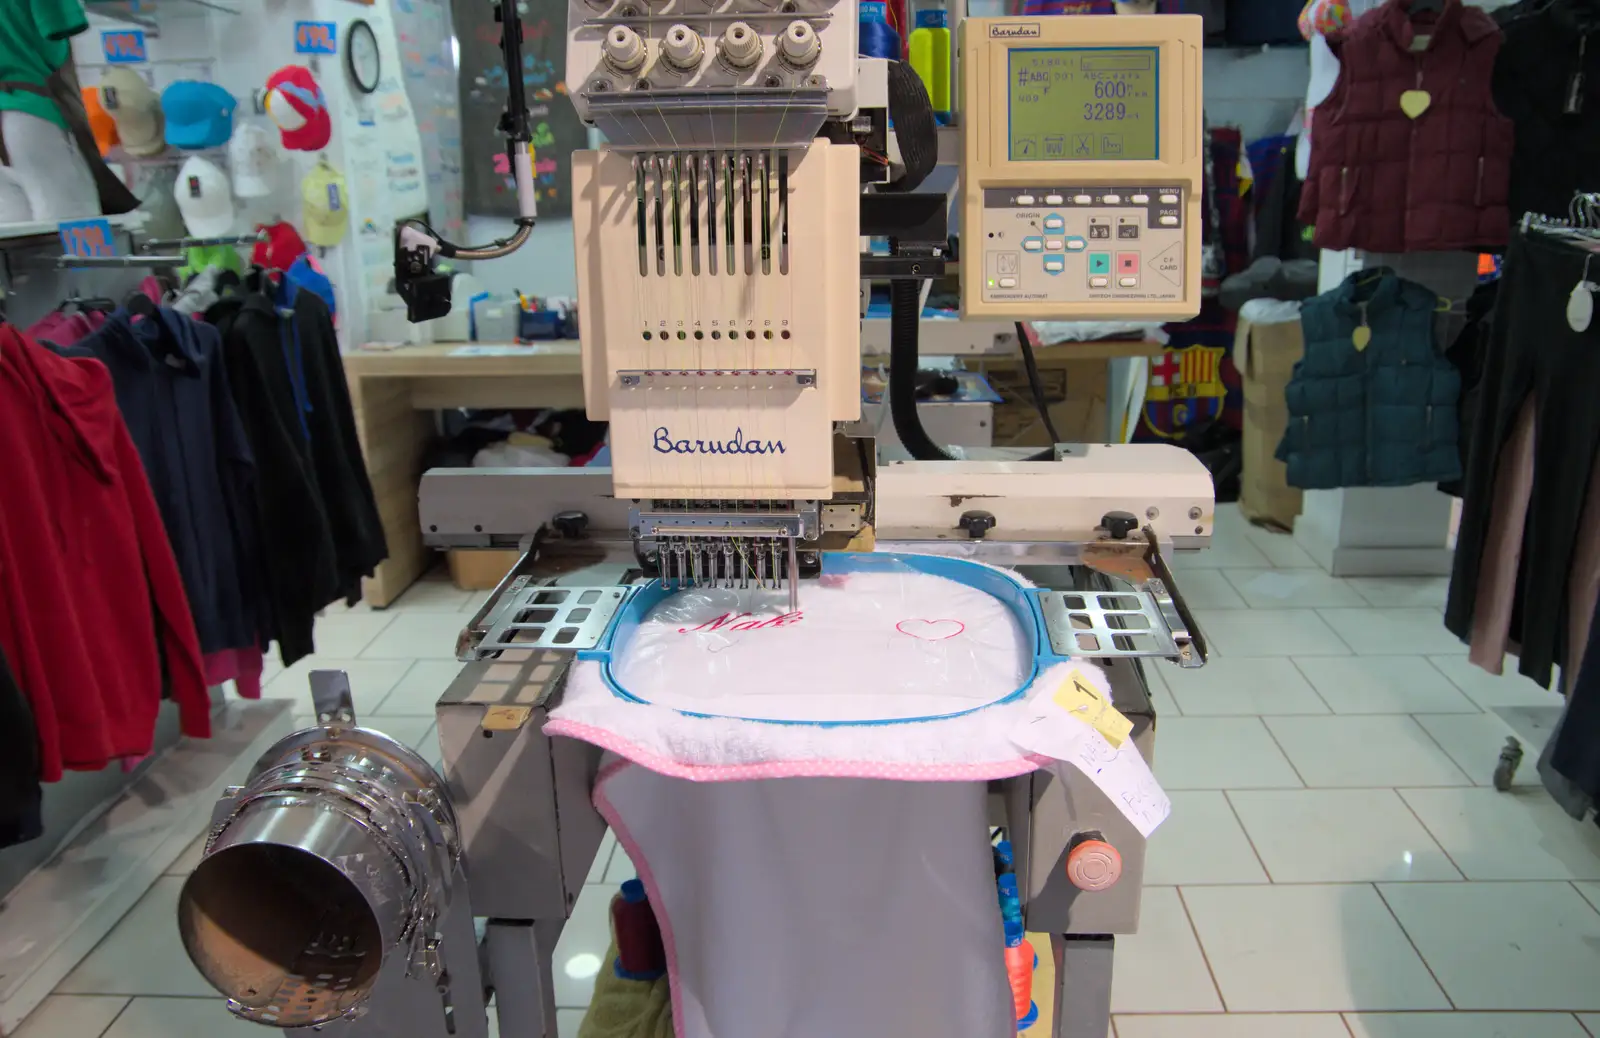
<point>1415,102</point>
<point>1362,336</point>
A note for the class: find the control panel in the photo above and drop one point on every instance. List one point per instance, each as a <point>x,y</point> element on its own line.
<point>1081,167</point>
<point>1066,244</point>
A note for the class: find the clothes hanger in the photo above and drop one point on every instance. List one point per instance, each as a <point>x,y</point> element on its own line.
<point>139,305</point>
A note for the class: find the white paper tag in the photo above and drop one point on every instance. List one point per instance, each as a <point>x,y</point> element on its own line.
<point>1580,306</point>
<point>1121,774</point>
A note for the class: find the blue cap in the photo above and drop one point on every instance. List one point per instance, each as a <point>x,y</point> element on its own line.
<point>932,18</point>
<point>306,273</point>
<point>632,891</point>
<point>199,115</point>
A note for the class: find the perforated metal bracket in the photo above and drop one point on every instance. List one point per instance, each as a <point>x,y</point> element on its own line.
<point>543,616</point>
<point>1119,623</point>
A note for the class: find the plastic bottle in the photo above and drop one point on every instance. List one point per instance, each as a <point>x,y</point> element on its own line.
<point>877,37</point>
<point>1019,968</point>
<point>930,56</point>
<point>640,952</point>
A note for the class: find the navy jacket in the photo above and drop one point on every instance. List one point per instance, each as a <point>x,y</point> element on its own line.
<point>172,390</point>
<point>300,574</point>
<point>1379,416</point>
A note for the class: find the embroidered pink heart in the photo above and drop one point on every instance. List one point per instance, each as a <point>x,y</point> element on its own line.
<point>931,630</point>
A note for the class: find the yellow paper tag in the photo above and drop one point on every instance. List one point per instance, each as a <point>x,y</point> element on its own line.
<point>1080,699</point>
<point>1361,336</point>
<point>1415,102</point>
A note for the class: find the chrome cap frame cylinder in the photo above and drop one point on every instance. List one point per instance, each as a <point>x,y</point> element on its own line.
<point>336,856</point>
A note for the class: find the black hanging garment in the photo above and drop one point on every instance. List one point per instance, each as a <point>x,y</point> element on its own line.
<point>1547,81</point>
<point>19,764</point>
<point>341,470</point>
<point>1532,350</point>
<point>299,571</point>
<point>1467,353</point>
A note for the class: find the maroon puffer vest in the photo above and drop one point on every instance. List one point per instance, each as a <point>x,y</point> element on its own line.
<point>1382,181</point>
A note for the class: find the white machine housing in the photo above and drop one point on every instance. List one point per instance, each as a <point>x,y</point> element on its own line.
<point>1081,167</point>
<point>592,70</point>
<point>717,295</point>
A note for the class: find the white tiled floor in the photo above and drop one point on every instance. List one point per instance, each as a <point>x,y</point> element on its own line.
<point>1337,864</point>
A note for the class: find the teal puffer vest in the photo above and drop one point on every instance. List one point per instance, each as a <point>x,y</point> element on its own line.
<point>1378,415</point>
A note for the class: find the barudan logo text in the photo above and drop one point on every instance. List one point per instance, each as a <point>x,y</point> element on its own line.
<point>665,444</point>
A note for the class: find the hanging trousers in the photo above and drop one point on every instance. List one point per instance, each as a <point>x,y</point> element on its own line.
<point>1574,750</point>
<point>1533,350</point>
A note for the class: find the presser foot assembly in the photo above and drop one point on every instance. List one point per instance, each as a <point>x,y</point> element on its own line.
<point>745,545</point>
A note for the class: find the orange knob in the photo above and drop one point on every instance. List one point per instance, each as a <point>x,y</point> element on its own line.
<point>1094,865</point>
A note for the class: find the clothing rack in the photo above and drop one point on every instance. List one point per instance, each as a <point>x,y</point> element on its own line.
<point>190,243</point>
<point>118,262</point>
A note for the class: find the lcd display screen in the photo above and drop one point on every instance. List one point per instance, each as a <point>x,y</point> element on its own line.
<point>1084,104</point>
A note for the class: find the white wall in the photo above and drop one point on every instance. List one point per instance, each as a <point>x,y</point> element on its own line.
<point>241,50</point>
<point>544,267</point>
<point>1257,89</point>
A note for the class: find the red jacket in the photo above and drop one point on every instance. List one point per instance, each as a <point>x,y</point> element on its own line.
<point>92,610</point>
<point>1383,181</point>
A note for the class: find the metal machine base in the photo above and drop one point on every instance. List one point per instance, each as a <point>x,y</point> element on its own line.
<point>529,833</point>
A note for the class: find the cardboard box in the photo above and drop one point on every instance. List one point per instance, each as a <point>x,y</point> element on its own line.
<point>481,570</point>
<point>1265,355</point>
<point>1074,389</point>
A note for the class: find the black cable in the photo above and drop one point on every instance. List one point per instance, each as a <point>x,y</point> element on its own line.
<point>915,129</point>
<point>1035,383</point>
<point>905,315</point>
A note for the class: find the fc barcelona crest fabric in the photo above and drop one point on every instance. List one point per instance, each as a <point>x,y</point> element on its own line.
<point>1185,389</point>
<point>1194,383</point>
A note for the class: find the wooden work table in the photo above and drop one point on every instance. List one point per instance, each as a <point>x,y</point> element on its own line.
<point>395,392</point>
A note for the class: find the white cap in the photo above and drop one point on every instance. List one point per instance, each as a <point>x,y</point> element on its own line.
<point>136,109</point>
<point>204,198</point>
<point>253,154</point>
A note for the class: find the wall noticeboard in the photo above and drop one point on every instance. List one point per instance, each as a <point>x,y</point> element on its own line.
<point>490,188</point>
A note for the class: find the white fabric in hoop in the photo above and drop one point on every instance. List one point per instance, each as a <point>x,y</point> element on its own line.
<point>863,647</point>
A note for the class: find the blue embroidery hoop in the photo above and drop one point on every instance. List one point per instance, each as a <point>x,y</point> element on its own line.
<point>1023,602</point>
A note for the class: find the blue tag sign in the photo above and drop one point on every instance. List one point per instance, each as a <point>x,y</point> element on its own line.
<point>124,46</point>
<point>87,238</point>
<point>316,38</point>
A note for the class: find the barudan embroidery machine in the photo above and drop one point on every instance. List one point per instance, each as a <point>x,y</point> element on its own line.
<point>719,238</point>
